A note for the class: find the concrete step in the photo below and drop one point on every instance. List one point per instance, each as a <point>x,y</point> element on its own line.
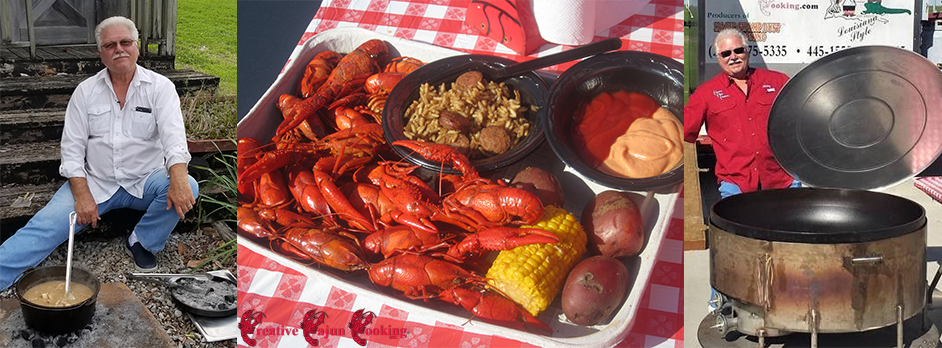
<point>31,126</point>
<point>30,163</point>
<point>30,92</point>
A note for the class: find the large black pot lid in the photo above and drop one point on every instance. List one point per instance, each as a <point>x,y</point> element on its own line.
<point>866,117</point>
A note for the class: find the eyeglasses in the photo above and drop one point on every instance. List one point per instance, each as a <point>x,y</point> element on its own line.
<point>737,50</point>
<point>124,43</point>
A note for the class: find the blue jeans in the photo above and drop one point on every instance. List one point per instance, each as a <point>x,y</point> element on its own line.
<point>46,230</point>
<point>728,189</point>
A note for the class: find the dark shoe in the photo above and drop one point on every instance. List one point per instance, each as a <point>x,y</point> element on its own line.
<point>143,259</point>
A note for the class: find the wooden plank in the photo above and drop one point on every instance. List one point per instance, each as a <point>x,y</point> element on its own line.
<point>16,52</point>
<point>40,195</point>
<point>694,229</point>
<point>23,85</point>
<point>171,28</point>
<point>46,52</point>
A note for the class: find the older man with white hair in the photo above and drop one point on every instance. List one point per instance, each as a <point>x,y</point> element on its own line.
<point>123,146</point>
<point>735,106</point>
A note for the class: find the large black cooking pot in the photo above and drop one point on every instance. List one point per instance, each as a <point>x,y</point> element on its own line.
<point>838,259</point>
<point>57,320</point>
<point>818,215</point>
<point>851,257</point>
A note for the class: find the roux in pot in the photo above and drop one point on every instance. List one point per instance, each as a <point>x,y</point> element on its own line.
<point>52,294</point>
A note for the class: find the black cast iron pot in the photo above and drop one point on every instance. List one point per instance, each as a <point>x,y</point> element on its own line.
<point>57,320</point>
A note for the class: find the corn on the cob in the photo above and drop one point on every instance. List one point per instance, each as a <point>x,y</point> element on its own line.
<point>532,275</point>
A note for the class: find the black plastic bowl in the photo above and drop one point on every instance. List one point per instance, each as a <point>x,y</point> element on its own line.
<point>532,90</point>
<point>659,77</point>
<point>57,320</point>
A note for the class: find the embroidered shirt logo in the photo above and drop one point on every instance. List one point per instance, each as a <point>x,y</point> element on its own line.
<point>720,94</point>
<point>769,89</point>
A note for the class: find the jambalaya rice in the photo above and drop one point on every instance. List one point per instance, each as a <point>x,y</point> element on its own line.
<point>485,105</point>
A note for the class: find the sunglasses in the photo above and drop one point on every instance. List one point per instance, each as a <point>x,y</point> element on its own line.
<point>737,50</point>
<point>126,43</point>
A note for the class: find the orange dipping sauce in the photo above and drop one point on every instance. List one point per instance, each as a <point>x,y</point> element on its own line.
<point>605,137</point>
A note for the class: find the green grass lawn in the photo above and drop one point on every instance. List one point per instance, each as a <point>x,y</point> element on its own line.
<point>206,40</point>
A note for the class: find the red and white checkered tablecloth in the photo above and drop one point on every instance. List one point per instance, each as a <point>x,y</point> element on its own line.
<point>931,185</point>
<point>284,294</point>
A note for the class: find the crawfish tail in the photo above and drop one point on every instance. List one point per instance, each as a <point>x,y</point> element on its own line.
<point>285,217</point>
<point>272,160</point>
<point>399,238</point>
<point>303,186</point>
<point>520,203</point>
<point>339,202</point>
<point>272,190</point>
<point>383,83</point>
<point>247,149</point>
<point>349,75</point>
<point>303,110</point>
<point>317,71</point>
<point>493,307</point>
<point>249,221</point>
<point>403,65</point>
<point>327,248</point>
<point>419,276</point>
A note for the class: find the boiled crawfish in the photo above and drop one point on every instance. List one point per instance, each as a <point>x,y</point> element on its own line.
<point>328,246</point>
<point>349,75</point>
<point>317,71</point>
<point>402,238</point>
<point>424,277</point>
<point>299,195</point>
<point>478,202</point>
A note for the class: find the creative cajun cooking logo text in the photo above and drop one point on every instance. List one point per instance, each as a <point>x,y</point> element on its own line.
<point>311,328</point>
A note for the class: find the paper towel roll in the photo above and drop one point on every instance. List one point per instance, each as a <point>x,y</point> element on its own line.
<point>575,22</point>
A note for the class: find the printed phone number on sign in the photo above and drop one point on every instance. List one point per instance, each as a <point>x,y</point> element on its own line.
<point>765,51</point>
<point>784,50</point>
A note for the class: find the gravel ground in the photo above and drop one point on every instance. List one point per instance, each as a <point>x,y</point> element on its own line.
<point>104,255</point>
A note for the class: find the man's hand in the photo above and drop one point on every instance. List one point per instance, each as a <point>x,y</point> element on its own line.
<point>179,195</point>
<point>86,209</point>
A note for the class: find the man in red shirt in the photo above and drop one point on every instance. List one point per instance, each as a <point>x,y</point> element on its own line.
<point>735,106</point>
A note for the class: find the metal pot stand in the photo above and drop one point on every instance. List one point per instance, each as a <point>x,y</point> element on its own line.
<point>918,332</point>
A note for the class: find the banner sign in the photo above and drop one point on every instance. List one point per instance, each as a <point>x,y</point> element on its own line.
<point>801,31</point>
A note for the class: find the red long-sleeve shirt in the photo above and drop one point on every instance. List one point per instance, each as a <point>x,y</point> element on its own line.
<point>737,127</point>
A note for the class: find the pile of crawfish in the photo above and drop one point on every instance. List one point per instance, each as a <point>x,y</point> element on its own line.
<point>325,190</point>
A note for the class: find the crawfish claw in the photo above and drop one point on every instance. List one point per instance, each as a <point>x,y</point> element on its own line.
<point>441,153</point>
<point>500,238</point>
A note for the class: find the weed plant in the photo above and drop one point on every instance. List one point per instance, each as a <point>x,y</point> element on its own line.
<point>217,202</point>
<point>209,117</point>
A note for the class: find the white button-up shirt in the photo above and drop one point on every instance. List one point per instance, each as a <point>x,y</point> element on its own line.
<point>113,147</point>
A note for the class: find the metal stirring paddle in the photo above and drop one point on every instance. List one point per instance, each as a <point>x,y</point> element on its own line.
<point>68,258</point>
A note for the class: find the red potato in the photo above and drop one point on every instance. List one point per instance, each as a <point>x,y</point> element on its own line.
<point>594,289</point>
<point>541,183</point>
<point>612,221</point>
